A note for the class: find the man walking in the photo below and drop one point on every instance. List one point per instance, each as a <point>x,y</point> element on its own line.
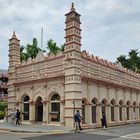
<point>77,120</point>
<point>17,117</point>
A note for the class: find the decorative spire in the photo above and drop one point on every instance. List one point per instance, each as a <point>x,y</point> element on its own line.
<point>14,32</point>
<point>72,7</point>
<point>14,35</point>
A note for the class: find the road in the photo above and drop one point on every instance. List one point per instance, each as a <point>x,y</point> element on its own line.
<point>130,132</point>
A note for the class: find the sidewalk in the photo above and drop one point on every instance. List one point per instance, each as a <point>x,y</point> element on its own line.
<point>34,128</point>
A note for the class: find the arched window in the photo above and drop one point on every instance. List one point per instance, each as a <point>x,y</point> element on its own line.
<point>38,109</point>
<point>104,102</point>
<point>134,107</point>
<point>112,109</point>
<point>94,105</point>
<point>26,108</point>
<point>120,109</point>
<point>55,108</point>
<point>134,111</point>
<point>127,110</point>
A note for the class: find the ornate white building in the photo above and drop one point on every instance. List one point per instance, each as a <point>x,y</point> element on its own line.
<point>51,88</point>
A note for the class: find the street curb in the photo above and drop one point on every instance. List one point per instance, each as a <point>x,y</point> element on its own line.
<point>36,132</point>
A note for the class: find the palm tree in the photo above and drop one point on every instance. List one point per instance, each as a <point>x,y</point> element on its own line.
<point>32,49</point>
<point>53,48</point>
<point>23,54</point>
<point>62,48</point>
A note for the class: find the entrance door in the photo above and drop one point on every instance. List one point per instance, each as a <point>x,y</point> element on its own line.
<point>39,110</point>
<point>83,111</point>
<point>26,108</point>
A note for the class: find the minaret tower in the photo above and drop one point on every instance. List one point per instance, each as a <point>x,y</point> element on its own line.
<point>14,60</point>
<point>14,52</point>
<point>72,51</point>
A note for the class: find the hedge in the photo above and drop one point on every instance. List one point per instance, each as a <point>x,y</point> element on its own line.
<point>3,106</point>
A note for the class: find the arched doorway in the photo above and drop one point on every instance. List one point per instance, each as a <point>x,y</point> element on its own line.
<point>26,108</point>
<point>93,109</point>
<point>83,110</point>
<point>112,110</point>
<point>38,110</point>
<point>55,108</point>
<point>120,109</point>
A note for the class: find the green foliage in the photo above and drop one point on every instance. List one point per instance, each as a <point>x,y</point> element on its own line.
<point>3,106</point>
<point>132,61</point>
<point>53,48</point>
<point>31,50</point>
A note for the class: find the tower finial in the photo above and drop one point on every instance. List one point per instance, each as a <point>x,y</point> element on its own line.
<point>14,34</point>
<point>72,7</point>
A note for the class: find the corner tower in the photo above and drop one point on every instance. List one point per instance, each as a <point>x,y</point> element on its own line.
<point>14,52</point>
<point>72,51</point>
<point>14,60</point>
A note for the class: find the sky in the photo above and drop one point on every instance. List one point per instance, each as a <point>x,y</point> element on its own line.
<point>109,27</point>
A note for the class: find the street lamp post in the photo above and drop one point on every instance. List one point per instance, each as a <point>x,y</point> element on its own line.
<point>73,112</point>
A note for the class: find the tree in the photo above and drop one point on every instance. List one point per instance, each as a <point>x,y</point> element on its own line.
<point>30,51</point>
<point>132,61</point>
<point>53,48</point>
<point>23,54</point>
<point>62,48</point>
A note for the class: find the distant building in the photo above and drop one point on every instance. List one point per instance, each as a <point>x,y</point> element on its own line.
<point>49,89</point>
<point>3,84</point>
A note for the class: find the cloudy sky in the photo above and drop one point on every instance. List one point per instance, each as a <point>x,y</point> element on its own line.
<point>109,27</point>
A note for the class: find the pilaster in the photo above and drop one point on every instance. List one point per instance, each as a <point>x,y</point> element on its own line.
<point>32,111</point>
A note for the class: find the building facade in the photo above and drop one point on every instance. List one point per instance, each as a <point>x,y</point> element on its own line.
<point>50,88</point>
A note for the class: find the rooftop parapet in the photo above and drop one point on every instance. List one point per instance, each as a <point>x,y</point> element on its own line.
<point>101,61</point>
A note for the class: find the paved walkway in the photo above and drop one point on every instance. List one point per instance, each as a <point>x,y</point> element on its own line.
<point>34,128</point>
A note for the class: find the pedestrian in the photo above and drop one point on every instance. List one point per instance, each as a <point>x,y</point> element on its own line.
<point>12,116</point>
<point>6,116</point>
<point>103,121</point>
<point>18,117</point>
<point>77,120</point>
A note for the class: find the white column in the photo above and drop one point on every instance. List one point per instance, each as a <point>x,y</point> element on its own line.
<point>44,111</point>
<point>124,117</point>
<point>47,112</point>
<point>137,113</point>
<point>32,111</point>
<point>88,113</point>
<point>116,113</point>
<point>108,113</point>
<point>62,103</point>
<point>99,114</point>
<point>131,113</point>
